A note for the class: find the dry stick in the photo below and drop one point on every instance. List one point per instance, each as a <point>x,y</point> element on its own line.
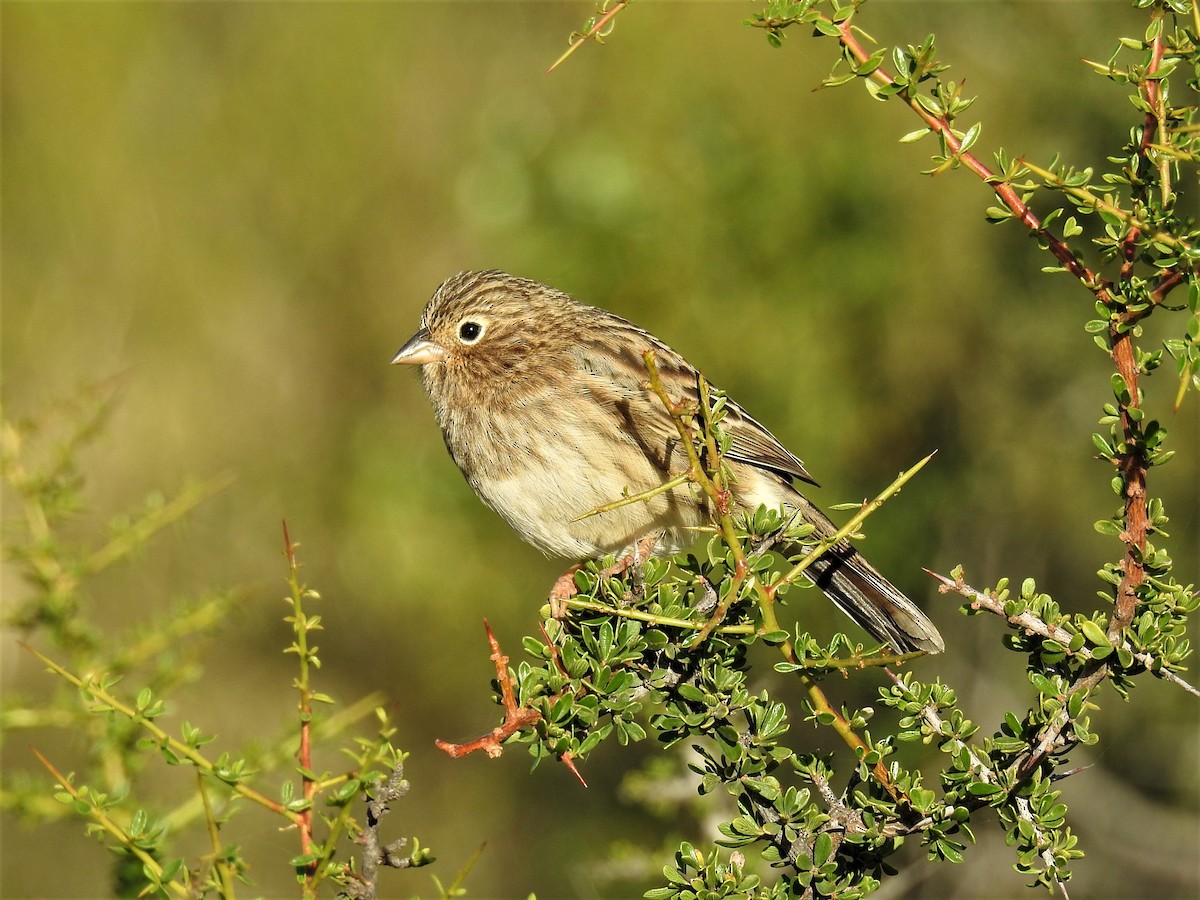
<point>373,856</point>
<point>516,717</point>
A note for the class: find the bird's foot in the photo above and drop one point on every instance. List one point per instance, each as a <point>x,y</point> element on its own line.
<point>565,588</point>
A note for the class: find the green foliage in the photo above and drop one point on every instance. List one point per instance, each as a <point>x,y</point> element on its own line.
<point>628,656</point>
<point>118,733</point>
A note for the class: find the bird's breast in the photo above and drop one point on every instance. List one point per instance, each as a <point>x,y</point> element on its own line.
<point>544,467</point>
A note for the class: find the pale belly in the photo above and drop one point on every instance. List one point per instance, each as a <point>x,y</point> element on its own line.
<point>547,505</point>
<point>544,487</point>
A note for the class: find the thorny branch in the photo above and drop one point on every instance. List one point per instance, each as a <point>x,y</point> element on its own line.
<point>1132,465</point>
<point>1033,625</point>
<point>980,770</point>
<point>714,487</point>
<point>516,717</point>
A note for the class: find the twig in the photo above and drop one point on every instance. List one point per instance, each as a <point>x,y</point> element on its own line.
<point>980,770</point>
<point>516,717</point>
<point>384,793</point>
<point>1132,463</point>
<point>592,33</point>
<point>1025,811</point>
<point>710,480</point>
<point>101,698</point>
<point>714,487</point>
<point>224,873</point>
<point>301,625</point>
<point>669,485</point>
<point>851,527</point>
<point>111,826</point>
<point>652,618</point>
<point>1034,625</point>
<point>1099,204</point>
<point>1006,193</point>
<point>568,760</point>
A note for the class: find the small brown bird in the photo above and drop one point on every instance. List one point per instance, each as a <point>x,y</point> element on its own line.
<point>543,405</point>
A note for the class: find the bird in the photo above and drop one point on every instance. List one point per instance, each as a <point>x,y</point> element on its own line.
<point>544,406</point>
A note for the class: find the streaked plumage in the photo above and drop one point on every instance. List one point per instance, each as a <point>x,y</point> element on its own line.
<point>542,405</point>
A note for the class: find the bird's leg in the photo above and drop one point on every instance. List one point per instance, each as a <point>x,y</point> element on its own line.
<point>641,552</point>
<point>564,588</point>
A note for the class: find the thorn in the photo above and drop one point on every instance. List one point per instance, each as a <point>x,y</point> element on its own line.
<point>569,761</point>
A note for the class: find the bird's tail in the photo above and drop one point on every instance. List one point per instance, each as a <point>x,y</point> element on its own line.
<point>856,586</point>
<point>872,601</point>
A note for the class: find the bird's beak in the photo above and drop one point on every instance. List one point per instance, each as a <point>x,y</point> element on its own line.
<point>419,349</point>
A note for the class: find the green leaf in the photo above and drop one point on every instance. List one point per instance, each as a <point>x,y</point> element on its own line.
<point>822,848</point>
<point>970,137</point>
<point>982,789</point>
<point>1094,633</point>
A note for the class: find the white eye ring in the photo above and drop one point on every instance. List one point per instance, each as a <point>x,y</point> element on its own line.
<point>470,331</point>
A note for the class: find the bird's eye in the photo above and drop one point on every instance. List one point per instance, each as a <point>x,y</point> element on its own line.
<point>470,331</point>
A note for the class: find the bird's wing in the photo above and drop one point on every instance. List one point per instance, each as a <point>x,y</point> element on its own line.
<point>750,442</point>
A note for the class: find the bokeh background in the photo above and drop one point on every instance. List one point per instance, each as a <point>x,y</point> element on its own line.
<point>246,205</point>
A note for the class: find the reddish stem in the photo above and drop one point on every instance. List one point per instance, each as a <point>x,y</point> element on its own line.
<point>1134,465</point>
<point>1003,190</point>
<point>516,717</point>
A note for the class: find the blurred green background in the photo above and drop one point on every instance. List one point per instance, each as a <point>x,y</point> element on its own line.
<point>247,204</point>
